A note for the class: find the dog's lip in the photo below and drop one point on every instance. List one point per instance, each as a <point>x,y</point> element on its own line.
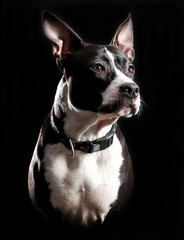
<point>127,110</point>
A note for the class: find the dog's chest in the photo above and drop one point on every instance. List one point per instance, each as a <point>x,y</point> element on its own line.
<point>84,187</point>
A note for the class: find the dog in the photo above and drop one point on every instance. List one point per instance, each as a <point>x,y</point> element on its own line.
<point>81,169</point>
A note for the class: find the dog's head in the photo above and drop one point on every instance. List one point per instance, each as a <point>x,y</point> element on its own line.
<point>100,78</point>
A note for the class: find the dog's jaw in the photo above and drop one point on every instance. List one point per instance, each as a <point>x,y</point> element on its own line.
<point>80,125</point>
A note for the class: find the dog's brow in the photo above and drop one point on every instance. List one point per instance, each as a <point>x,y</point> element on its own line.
<point>106,59</point>
<point>110,57</point>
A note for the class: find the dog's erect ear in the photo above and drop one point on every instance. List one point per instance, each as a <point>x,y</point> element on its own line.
<point>64,38</point>
<point>123,38</point>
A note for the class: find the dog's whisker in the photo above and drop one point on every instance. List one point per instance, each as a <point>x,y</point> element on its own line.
<point>143,102</point>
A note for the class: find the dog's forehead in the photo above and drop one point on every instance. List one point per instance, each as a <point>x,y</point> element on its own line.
<point>96,53</point>
<point>110,53</point>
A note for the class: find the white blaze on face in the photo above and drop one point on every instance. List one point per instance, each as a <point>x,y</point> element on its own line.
<point>111,92</point>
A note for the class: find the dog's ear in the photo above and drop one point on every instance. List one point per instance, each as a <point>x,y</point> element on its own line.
<point>123,38</point>
<point>64,38</point>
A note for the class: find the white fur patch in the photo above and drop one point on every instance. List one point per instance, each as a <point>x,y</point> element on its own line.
<point>83,187</point>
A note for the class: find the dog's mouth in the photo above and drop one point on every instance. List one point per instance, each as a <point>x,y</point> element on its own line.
<point>124,108</point>
<point>126,111</point>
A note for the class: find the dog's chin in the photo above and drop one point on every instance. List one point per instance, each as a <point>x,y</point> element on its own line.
<point>125,111</point>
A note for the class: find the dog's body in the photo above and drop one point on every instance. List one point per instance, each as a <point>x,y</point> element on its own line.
<point>81,166</point>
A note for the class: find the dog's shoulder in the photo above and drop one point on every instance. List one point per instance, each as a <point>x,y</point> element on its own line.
<point>126,172</point>
<point>38,187</point>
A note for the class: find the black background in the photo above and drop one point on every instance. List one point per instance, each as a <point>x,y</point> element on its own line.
<point>29,78</point>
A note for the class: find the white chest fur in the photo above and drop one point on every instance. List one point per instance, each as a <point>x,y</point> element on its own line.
<point>83,187</point>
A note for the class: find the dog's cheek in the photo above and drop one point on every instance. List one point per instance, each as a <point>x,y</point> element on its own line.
<point>85,97</point>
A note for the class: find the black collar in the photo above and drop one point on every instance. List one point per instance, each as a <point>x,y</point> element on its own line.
<point>86,146</point>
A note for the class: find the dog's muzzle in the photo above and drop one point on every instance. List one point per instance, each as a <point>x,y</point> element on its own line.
<point>130,95</point>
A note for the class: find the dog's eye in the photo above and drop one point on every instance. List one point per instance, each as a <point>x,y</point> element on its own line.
<point>98,68</point>
<point>131,69</point>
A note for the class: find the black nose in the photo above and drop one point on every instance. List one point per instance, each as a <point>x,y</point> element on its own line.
<point>131,90</point>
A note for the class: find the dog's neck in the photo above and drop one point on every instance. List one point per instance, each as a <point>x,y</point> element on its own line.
<point>79,124</point>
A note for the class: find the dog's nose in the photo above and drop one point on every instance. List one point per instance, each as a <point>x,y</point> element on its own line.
<point>131,90</point>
